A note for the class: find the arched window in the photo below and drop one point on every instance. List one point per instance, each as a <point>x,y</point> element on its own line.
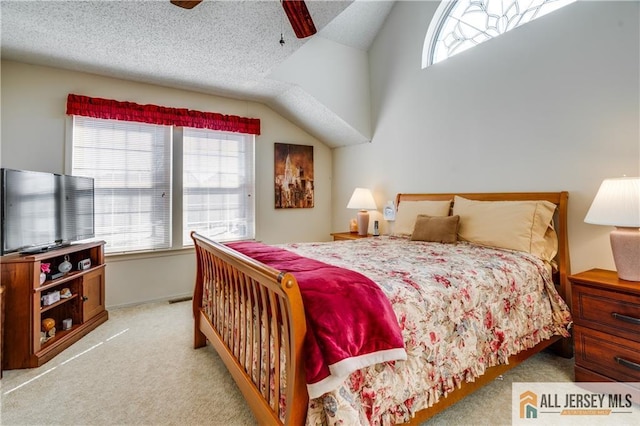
<point>459,25</point>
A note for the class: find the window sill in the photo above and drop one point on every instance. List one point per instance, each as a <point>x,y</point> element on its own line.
<point>121,257</point>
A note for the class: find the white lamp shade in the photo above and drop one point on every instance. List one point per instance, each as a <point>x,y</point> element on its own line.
<point>617,203</point>
<point>362,199</point>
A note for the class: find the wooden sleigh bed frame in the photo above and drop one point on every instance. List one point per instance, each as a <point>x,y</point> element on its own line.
<point>246,283</point>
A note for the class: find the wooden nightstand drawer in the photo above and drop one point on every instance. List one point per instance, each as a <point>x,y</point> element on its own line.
<point>608,355</point>
<point>612,312</point>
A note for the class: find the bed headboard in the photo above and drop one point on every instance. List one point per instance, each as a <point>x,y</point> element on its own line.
<point>560,221</point>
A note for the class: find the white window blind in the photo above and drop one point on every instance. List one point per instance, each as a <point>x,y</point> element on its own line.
<point>218,185</point>
<point>131,165</point>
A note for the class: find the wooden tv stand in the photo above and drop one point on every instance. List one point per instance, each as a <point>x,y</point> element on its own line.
<point>23,344</point>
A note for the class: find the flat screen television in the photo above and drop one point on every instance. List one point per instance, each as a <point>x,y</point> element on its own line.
<point>41,211</point>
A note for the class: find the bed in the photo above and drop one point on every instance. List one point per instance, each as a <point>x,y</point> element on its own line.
<point>251,308</point>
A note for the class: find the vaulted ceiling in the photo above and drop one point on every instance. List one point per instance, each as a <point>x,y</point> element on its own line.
<point>224,48</point>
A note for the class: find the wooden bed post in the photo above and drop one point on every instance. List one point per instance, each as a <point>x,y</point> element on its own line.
<point>564,347</point>
<point>564,261</point>
<point>298,397</point>
<point>199,339</point>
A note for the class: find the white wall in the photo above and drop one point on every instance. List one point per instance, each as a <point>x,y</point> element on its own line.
<point>334,74</point>
<point>33,138</point>
<point>550,106</point>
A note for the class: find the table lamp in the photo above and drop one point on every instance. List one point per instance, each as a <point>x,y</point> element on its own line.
<point>362,199</point>
<point>617,203</point>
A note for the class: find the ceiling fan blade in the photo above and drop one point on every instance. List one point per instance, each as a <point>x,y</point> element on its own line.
<point>299,17</point>
<point>186,4</point>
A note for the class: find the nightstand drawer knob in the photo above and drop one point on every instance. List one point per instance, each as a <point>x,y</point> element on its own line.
<point>626,318</point>
<point>627,363</point>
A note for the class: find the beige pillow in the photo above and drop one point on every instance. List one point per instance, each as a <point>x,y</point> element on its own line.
<point>408,211</point>
<point>517,225</point>
<point>438,229</point>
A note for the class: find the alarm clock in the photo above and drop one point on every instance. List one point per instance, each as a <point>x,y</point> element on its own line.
<point>84,264</point>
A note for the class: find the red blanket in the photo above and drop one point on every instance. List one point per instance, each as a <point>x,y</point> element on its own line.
<point>350,322</point>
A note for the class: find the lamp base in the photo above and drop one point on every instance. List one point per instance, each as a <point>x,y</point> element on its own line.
<point>625,245</point>
<point>363,223</point>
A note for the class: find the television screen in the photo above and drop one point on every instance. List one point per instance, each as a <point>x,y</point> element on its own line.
<point>41,210</point>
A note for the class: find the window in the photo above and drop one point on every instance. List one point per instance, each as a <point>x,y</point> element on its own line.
<point>459,25</point>
<point>136,183</point>
<point>131,166</point>
<point>218,185</point>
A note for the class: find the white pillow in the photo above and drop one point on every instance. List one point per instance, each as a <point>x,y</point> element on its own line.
<point>408,211</point>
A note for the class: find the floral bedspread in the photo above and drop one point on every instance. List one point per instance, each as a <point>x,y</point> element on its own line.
<point>350,322</point>
<point>461,308</point>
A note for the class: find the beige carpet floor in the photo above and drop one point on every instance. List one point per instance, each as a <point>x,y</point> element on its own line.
<point>139,368</point>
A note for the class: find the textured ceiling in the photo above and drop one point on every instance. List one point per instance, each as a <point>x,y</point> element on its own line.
<point>225,48</point>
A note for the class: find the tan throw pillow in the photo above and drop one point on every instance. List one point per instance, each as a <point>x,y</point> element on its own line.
<point>517,225</point>
<point>436,229</point>
<point>408,211</point>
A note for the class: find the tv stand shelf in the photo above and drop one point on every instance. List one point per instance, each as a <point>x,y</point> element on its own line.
<point>24,346</point>
<point>58,303</point>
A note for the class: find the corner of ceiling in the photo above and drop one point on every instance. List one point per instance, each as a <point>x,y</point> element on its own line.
<point>329,91</point>
<point>298,106</point>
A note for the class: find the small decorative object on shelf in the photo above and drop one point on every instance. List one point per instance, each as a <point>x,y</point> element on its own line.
<point>51,333</point>
<point>48,329</point>
<point>65,293</point>
<point>45,268</point>
<point>67,323</point>
<point>50,298</point>
<point>48,324</point>
<point>65,266</point>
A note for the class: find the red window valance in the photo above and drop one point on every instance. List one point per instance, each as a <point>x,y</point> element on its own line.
<point>154,114</point>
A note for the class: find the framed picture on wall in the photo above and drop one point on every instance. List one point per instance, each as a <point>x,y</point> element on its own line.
<point>293,176</point>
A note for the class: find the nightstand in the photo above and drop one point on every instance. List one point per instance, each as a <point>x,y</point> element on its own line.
<point>606,315</point>
<point>337,236</point>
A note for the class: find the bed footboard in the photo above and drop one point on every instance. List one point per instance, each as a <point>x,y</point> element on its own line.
<point>254,318</point>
